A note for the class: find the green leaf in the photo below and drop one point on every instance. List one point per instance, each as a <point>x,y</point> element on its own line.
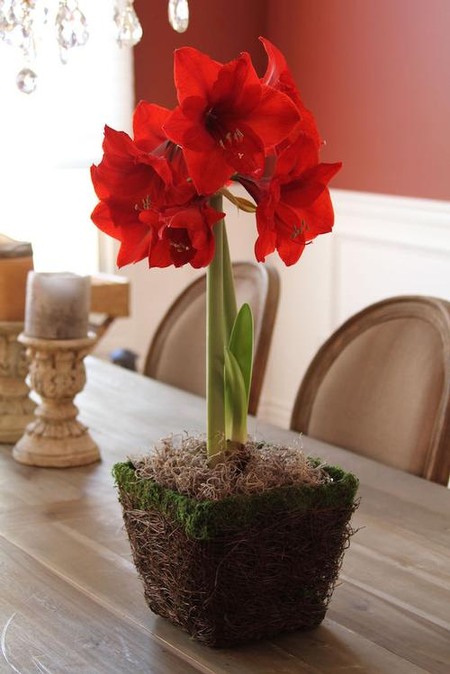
<point>238,362</point>
<point>241,344</point>
<point>236,400</point>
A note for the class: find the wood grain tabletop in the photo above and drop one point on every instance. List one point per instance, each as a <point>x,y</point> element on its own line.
<point>71,601</point>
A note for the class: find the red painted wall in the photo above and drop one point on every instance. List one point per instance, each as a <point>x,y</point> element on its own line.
<point>376,73</point>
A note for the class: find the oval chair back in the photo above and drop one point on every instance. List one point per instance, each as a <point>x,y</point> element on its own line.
<point>380,386</point>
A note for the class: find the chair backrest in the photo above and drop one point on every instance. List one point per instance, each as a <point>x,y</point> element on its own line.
<point>178,350</point>
<point>380,386</point>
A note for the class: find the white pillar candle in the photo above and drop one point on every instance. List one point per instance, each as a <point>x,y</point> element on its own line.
<point>57,305</point>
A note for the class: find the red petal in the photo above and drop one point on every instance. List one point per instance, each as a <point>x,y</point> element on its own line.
<point>276,63</point>
<point>209,171</point>
<point>303,191</point>
<point>290,251</point>
<point>238,88</point>
<point>274,118</point>
<point>319,217</point>
<point>188,133</point>
<point>279,76</point>
<point>266,241</point>
<point>246,154</point>
<point>297,157</point>
<point>125,171</point>
<point>118,143</point>
<point>265,245</point>
<point>148,120</point>
<point>194,73</point>
<point>300,193</point>
<point>323,173</point>
<point>134,248</point>
<point>204,256</point>
<point>101,217</point>
<point>159,253</point>
<point>100,189</point>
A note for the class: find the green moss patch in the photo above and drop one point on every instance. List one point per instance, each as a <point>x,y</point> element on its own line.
<point>206,520</point>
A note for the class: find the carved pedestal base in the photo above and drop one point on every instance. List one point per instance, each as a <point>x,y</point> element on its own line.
<point>56,438</point>
<point>16,408</point>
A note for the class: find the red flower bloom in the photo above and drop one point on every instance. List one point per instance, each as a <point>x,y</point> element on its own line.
<point>181,234</point>
<point>279,77</point>
<point>226,118</point>
<point>294,205</point>
<point>126,169</point>
<point>147,201</point>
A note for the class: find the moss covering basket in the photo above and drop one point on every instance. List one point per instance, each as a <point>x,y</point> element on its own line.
<point>241,568</point>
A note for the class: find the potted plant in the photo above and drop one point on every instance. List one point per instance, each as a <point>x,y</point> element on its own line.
<point>234,539</point>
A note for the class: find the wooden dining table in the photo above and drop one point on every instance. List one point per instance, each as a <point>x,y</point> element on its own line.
<point>72,602</point>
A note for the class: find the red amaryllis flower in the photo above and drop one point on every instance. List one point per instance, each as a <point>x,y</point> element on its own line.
<point>147,202</point>
<point>181,234</point>
<point>279,77</point>
<point>176,235</point>
<point>126,169</point>
<point>293,205</point>
<point>148,121</point>
<point>226,118</point>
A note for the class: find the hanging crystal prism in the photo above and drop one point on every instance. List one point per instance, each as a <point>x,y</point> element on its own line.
<point>26,80</point>
<point>17,28</point>
<point>22,24</point>
<point>16,22</point>
<point>71,27</point>
<point>178,11</point>
<point>129,29</point>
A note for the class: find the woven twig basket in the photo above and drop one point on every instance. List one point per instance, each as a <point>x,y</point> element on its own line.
<point>245,567</point>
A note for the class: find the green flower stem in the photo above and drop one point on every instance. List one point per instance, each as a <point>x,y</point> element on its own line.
<point>215,339</point>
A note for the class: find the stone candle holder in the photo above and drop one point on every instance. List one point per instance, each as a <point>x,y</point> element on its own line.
<point>57,373</point>
<point>16,407</point>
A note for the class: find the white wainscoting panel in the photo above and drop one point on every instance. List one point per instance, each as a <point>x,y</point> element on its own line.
<point>384,246</point>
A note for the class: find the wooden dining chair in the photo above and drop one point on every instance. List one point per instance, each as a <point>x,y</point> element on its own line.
<point>177,352</point>
<point>380,386</point>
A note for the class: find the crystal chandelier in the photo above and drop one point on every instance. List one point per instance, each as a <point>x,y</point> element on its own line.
<point>23,23</point>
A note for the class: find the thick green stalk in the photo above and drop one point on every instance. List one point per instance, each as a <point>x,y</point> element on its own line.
<point>215,340</point>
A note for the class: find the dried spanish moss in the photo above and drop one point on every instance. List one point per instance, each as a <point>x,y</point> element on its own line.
<point>180,463</point>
